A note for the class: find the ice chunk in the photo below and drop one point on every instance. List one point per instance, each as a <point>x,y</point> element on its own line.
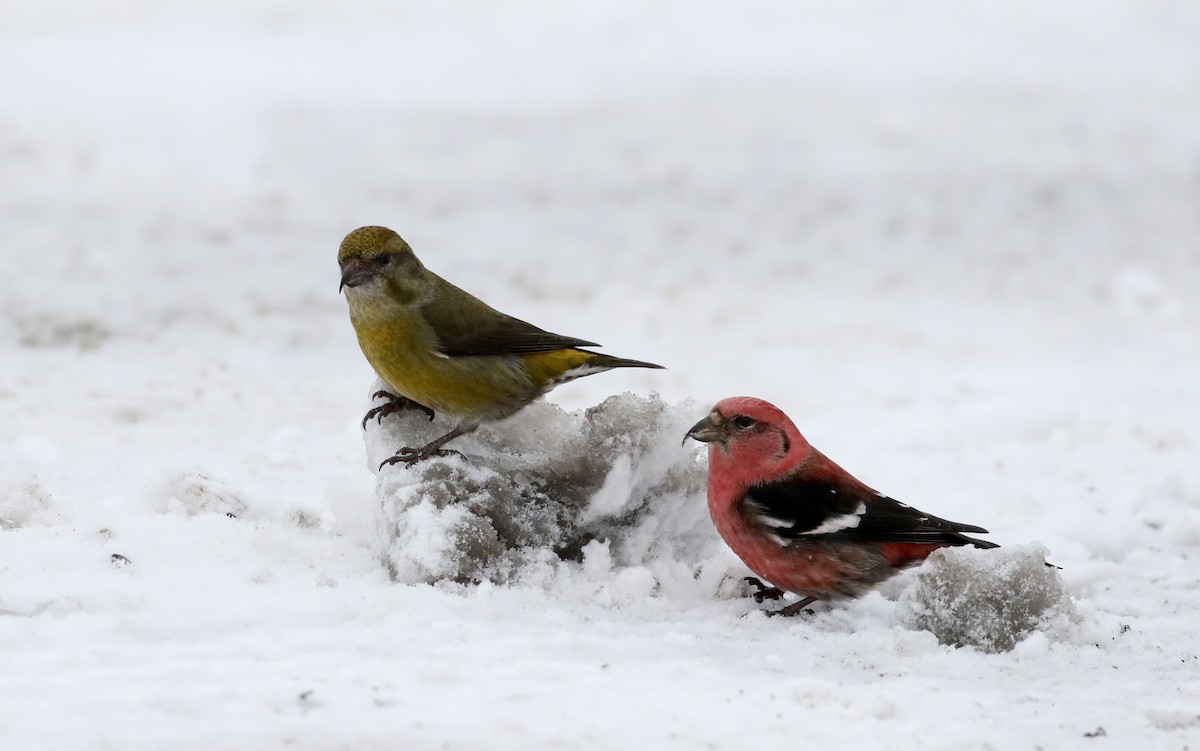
<point>990,599</point>
<point>538,488</point>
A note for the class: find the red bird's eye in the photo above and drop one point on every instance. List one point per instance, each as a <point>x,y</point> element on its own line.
<point>741,422</point>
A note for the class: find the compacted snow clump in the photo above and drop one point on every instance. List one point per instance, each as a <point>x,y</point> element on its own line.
<point>539,487</point>
<point>990,599</point>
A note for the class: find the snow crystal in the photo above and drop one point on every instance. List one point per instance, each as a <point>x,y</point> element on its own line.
<point>990,599</point>
<point>542,487</point>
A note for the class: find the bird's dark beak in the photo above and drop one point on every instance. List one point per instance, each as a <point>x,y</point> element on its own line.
<point>711,428</point>
<point>355,273</point>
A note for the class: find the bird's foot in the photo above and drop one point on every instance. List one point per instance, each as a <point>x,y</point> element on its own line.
<point>394,404</point>
<point>410,456</point>
<point>796,608</point>
<point>764,592</point>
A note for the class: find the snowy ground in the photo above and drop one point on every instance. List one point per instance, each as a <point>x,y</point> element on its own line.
<point>958,243</point>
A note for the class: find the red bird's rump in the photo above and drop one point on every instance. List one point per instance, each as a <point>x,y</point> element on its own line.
<point>901,554</point>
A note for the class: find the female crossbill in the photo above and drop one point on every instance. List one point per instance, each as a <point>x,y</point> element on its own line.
<point>442,350</point>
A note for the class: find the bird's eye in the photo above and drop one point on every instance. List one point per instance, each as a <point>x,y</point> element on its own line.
<point>741,422</point>
<point>383,259</point>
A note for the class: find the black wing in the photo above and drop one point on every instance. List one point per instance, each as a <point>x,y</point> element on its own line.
<point>807,510</point>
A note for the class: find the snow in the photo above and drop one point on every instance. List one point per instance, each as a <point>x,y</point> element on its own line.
<point>992,599</point>
<point>539,488</point>
<point>957,243</point>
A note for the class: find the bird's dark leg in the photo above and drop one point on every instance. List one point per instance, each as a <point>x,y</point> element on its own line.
<point>796,608</point>
<point>764,592</point>
<point>411,456</point>
<point>394,404</point>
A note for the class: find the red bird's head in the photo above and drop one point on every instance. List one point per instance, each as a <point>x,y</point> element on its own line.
<point>749,441</point>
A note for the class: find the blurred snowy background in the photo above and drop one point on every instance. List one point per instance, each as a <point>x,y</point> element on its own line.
<point>959,243</point>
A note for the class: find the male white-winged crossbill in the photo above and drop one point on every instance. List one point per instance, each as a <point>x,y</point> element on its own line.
<point>800,521</point>
<point>442,350</point>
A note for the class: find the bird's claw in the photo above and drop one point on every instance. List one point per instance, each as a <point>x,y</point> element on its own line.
<point>764,592</point>
<point>410,456</point>
<point>796,608</point>
<point>374,412</point>
<point>394,404</point>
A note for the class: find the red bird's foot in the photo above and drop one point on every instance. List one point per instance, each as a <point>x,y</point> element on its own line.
<point>394,404</point>
<point>796,608</point>
<point>764,592</point>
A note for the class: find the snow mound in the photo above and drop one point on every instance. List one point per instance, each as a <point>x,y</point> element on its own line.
<point>990,599</point>
<point>195,493</point>
<point>24,501</point>
<point>538,488</point>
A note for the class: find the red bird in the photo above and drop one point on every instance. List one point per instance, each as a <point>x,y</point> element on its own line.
<point>800,521</point>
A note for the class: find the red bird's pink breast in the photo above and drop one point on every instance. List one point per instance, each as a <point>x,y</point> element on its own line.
<point>789,569</point>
